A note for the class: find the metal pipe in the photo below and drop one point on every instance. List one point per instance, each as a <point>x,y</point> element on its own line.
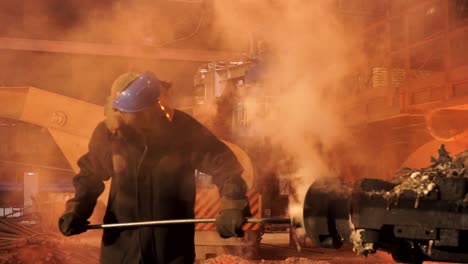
<point>189,221</point>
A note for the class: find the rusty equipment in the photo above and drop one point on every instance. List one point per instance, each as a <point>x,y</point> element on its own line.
<point>422,215</point>
<point>190,221</point>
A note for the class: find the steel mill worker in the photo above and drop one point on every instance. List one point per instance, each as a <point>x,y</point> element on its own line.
<point>151,152</point>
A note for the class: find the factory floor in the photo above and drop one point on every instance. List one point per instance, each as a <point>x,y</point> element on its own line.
<point>275,246</point>
<point>275,249</point>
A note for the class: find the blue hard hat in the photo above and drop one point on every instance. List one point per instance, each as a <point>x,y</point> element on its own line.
<point>140,94</point>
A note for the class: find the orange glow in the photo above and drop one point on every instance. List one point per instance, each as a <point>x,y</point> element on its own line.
<point>310,50</point>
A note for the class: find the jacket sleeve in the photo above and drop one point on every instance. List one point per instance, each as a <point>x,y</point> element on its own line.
<point>95,167</point>
<point>213,157</point>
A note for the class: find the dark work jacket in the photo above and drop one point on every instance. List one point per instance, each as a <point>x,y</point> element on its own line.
<point>152,181</point>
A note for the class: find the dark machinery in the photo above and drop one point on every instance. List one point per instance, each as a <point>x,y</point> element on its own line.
<point>421,215</point>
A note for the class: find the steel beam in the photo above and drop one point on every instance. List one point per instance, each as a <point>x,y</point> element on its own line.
<point>120,50</point>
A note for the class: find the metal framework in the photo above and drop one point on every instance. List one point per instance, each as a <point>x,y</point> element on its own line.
<point>134,51</point>
<point>438,90</point>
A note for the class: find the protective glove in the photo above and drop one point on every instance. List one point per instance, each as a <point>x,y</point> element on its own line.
<point>72,224</point>
<point>229,223</point>
<point>232,217</point>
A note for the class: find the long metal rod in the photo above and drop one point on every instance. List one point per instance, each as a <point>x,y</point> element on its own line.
<point>187,221</point>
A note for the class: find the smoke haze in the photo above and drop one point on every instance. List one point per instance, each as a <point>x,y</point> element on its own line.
<point>89,77</point>
<point>308,46</point>
<point>310,51</point>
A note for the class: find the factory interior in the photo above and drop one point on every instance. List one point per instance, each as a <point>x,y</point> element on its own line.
<point>349,119</point>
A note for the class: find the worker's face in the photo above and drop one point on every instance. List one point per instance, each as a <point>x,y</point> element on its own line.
<point>132,119</point>
<point>144,120</point>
